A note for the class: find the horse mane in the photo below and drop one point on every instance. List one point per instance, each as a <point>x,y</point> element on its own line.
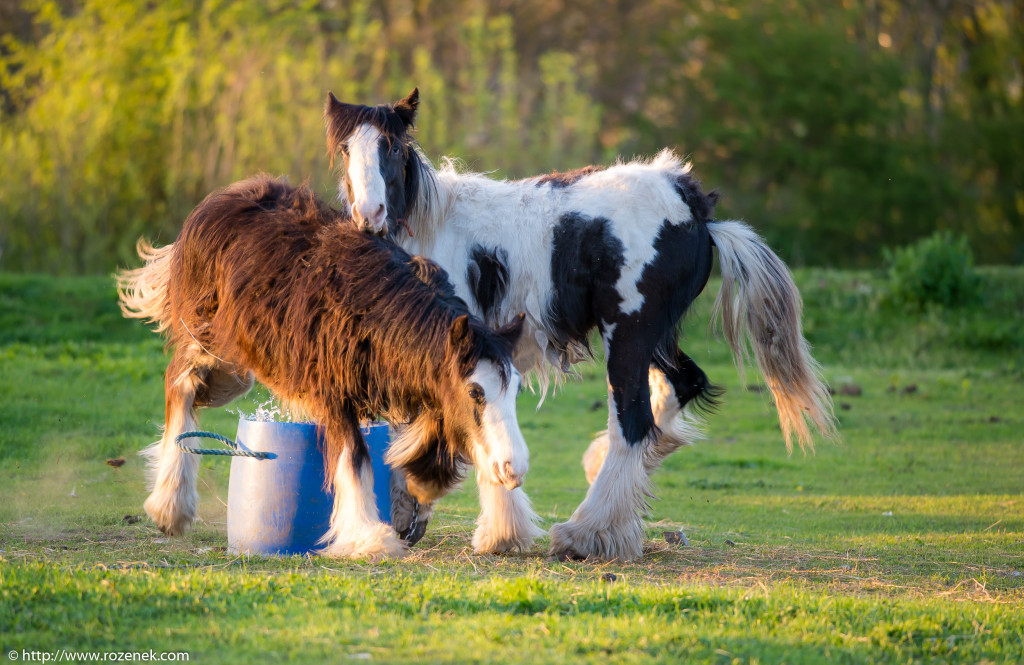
<point>438,188</point>
<point>431,200</point>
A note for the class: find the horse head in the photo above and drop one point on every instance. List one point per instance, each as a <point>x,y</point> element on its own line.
<point>382,167</point>
<point>486,409</point>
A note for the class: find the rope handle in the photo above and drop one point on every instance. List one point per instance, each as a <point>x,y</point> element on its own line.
<point>234,449</point>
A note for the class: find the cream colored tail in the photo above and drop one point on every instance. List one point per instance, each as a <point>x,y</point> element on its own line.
<point>759,303</point>
<point>143,291</point>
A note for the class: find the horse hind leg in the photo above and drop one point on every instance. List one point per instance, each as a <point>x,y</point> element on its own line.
<point>673,387</point>
<point>173,502</point>
<point>678,388</point>
<point>607,525</point>
<point>355,529</point>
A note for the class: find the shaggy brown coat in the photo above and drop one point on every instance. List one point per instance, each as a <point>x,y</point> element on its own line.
<point>266,279</point>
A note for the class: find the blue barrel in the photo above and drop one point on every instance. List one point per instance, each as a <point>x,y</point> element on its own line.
<point>278,505</point>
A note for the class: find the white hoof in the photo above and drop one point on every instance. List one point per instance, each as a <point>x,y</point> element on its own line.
<point>520,539</point>
<point>172,513</point>
<point>577,541</point>
<point>376,544</point>
<point>507,522</point>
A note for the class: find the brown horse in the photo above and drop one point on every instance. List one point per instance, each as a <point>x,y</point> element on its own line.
<point>267,282</point>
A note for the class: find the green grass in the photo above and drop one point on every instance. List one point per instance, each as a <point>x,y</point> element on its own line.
<point>902,543</point>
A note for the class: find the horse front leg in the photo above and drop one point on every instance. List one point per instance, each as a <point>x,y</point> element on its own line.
<point>356,530</point>
<point>423,469</point>
<point>608,523</point>
<point>507,522</point>
<point>409,515</point>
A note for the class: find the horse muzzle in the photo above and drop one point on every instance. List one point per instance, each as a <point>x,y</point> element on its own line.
<point>373,221</point>
<point>505,475</point>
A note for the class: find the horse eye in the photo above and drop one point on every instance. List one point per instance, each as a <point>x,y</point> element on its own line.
<point>477,395</point>
<point>395,149</point>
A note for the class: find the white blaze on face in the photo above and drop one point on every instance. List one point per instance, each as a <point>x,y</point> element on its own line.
<point>368,190</point>
<point>502,455</point>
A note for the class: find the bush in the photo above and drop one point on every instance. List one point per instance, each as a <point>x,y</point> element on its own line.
<point>126,113</point>
<point>935,270</point>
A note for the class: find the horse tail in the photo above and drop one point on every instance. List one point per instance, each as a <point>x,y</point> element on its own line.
<point>142,292</point>
<point>759,303</point>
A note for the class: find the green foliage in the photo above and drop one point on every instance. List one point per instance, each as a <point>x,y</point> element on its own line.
<point>849,319</point>
<point>126,113</point>
<point>937,270</point>
<point>835,128</point>
<point>806,130</point>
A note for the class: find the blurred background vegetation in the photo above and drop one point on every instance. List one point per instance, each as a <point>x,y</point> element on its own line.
<point>836,128</point>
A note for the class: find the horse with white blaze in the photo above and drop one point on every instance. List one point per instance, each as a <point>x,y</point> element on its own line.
<point>267,282</point>
<point>624,249</point>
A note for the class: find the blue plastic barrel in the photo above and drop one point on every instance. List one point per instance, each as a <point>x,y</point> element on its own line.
<point>278,505</point>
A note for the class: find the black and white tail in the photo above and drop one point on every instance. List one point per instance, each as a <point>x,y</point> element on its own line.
<point>143,291</point>
<point>759,303</point>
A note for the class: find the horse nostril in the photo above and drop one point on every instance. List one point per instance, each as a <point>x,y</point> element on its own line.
<point>505,474</point>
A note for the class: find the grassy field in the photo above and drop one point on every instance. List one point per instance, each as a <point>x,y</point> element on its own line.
<point>902,543</point>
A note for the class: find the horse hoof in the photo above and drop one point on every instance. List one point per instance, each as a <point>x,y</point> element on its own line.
<point>414,532</point>
<point>172,516</point>
<point>569,555</point>
<point>574,541</point>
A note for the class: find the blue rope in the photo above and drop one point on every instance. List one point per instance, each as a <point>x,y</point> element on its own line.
<point>234,450</point>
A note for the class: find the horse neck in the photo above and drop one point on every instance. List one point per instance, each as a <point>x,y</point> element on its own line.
<point>412,344</point>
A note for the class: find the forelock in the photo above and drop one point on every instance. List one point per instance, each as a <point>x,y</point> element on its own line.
<point>497,350</point>
<point>345,120</point>
<point>485,344</point>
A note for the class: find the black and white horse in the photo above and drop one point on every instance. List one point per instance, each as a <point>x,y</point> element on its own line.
<point>624,249</point>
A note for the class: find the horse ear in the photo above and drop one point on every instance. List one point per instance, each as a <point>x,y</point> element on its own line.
<point>334,112</point>
<point>406,108</point>
<point>513,330</point>
<point>333,108</point>
<point>459,333</point>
